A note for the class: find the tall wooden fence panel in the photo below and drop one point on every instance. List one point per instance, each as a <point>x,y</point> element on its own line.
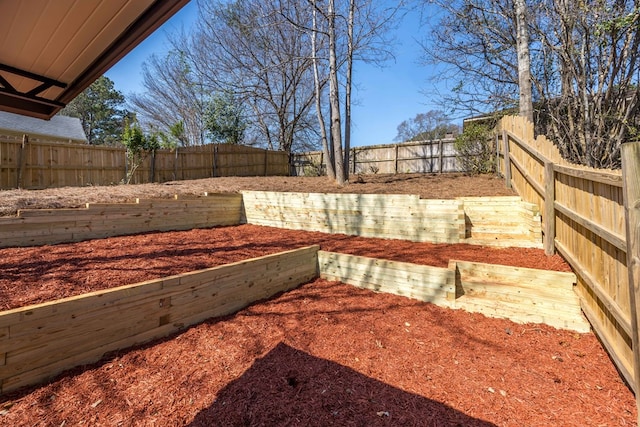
<point>434,156</point>
<point>34,165</point>
<point>583,219</point>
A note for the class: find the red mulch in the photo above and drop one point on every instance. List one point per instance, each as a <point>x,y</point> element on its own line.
<point>323,354</point>
<point>37,274</point>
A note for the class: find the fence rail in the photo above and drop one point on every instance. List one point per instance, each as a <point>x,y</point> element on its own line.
<point>434,156</point>
<point>35,165</point>
<point>583,219</point>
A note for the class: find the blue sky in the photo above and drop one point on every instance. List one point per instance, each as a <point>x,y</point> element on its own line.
<point>383,97</point>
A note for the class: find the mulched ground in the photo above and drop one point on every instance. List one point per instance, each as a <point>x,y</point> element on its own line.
<point>37,274</point>
<point>323,354</point>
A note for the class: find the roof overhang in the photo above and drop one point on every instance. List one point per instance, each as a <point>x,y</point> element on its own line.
<point>51,50</point>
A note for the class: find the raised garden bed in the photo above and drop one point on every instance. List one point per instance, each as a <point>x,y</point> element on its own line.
<point>321,354</point>
<point>324,353</point>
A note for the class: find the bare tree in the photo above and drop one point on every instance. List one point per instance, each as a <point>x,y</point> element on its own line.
<point>583,66</point>
<point>248,49</point>
<point>318,90</point>
<point>351,30</point>
<point>334,97</point>
<point>473,43</point>
<point>173,94</point>
<point>434,124</point>
<point>591,104</point>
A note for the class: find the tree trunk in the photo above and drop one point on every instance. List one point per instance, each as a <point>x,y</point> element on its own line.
<point>328,151</point>
<point>524,60</point>
<point>347,98</point>
<point>334,98</point>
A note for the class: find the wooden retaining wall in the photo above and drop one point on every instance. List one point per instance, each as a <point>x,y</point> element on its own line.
<point>422,282</point>
<point>369,215</point>
<point>502,221</point>
<point>489,221</point>
<point>39,341</point>
<point>497,221</point>
<point>521,295</point>
<point>49,226</point>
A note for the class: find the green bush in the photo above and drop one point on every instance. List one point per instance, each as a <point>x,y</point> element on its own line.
<point>474,150</point>
<point>138,146</point>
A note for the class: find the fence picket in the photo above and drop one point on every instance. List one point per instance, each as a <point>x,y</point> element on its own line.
<point>41,164</point>
<point>583,213</point>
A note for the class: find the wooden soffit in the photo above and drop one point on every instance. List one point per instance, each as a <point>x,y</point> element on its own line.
<point>51,50</point>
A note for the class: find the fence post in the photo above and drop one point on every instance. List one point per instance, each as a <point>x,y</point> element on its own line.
<point>440,155</point>
<point>507,159</point>
<point>549,209</point>
<point>266,160</point>
<point>631,187</point>
<point>175,166</point>
<point>22,159</point>
<point>215,160</point>
<point>152,172</point>
<point>353,156</point>
<point>497,154</point>
<point>395,160</point>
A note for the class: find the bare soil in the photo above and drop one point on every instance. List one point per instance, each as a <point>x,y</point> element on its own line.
<point>444,186</point>
<point>323,354</point>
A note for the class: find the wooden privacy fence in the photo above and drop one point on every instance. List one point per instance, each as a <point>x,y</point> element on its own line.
<point>434,156</point>
<point>35,165</point>
<point>583,219</point>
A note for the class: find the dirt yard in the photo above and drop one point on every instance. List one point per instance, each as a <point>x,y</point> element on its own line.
<point>323,354</point>
<point>445,186</point>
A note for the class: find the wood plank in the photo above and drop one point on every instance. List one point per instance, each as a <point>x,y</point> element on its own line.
<point>631,186</point>
<point>549,300</point>
<point>608,177</point>
<point>500,242</point>
<point>518,315</point>
<point>507,158</point>
<point>549,211</point>
<point>528,277</point>
<point>609,303</point>
<point>613,238</point>
<point>412,280</point>
<point>46,338</point>
<point>442,236</point>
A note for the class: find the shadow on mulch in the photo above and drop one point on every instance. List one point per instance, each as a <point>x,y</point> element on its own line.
<point>290,387</point>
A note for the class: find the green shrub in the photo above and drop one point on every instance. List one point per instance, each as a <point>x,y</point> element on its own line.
<point>138,146</point>
<point>474,150</point>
